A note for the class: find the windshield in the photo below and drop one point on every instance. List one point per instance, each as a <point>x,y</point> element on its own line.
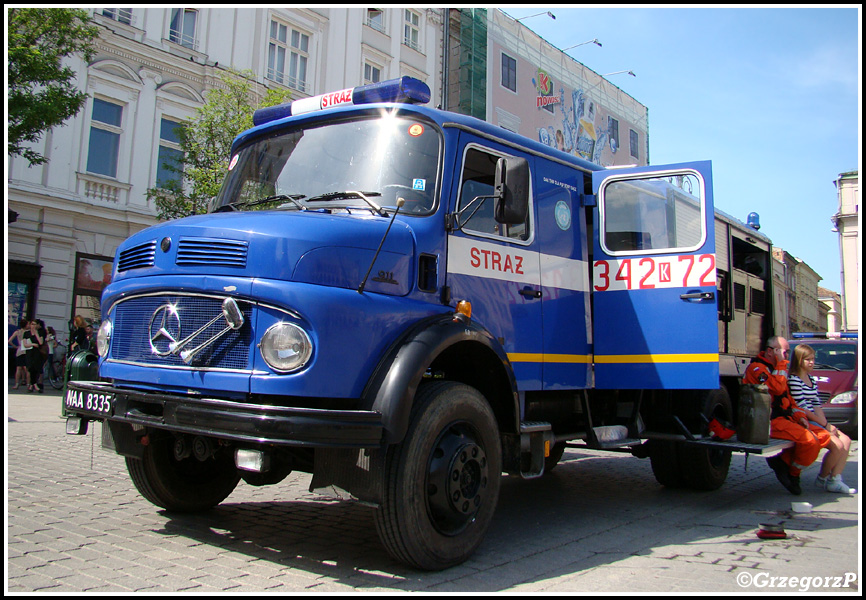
<point>838,356</point>
<point>357,164</point>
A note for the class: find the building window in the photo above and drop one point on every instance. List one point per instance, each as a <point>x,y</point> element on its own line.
<point>372,73</point>
<point>121,15</point>
<point>286,43</point>
<point>411,29</point>
<point>633,147</point>
<point>277,48</point>
<point>613,132</point>
<point>300,44</point>
<point>509,73</point>
<point>169,167</point>
<point>105,130</point>
<point>376,19</point>
<point>182,27</point>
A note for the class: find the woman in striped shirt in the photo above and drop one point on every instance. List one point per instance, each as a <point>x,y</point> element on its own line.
<point>804,390</point>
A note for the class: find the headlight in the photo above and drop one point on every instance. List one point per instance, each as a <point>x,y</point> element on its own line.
<point>286,347</point>
<point>844,397</point>
<point>103,338</point>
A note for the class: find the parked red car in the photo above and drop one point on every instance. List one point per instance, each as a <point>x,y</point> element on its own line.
<point>837,374</point>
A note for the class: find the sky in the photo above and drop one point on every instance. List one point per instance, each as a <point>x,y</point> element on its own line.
<point>770,95</point>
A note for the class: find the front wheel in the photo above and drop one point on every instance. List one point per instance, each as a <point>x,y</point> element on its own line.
<point>182,484</point>
<point>442,481</point>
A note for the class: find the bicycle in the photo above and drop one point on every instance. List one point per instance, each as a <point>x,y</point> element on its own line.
<point>54,372</point>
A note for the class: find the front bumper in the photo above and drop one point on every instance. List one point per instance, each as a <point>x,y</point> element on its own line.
<point>224,419</point>
<point>843,417</point>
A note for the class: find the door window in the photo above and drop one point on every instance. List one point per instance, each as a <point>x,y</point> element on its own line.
<point>653,215</point>
<point>476,202</point>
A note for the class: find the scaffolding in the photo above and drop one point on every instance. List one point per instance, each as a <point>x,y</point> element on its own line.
<point>469,62</point>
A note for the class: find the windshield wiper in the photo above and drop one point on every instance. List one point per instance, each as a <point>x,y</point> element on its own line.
<point>351,194</point>
<point>293,198</point>
<point>823,366</point>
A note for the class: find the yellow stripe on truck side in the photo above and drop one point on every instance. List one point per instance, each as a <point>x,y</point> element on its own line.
<point>613,359</point>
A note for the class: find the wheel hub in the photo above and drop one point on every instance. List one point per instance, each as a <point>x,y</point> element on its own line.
<point>456,481</point>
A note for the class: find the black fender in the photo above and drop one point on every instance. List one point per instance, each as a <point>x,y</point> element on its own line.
<point>391,389</point>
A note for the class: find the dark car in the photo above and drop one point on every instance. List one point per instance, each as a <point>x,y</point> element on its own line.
<point>838,377</point>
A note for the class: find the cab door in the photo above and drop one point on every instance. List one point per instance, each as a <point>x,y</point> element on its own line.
<point>655,323</point>
<point>494,266</point>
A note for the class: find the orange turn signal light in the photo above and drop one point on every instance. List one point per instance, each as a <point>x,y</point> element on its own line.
<point>464,307</point>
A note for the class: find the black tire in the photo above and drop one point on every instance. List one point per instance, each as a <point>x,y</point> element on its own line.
<point>186,485</point>
<point>442,481</point>
<point>665,462</point>
<point>552,459</point>
<point>707,468</point>
<point>55,378</point>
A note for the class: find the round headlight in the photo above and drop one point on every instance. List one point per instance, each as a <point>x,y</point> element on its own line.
<point>103,338</point>
<point>286,347</point>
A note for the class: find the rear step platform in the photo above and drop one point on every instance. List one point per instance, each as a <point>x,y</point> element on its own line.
<point>736,445</point>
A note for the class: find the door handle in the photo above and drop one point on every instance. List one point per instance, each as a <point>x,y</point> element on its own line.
<point>698,296</point>
<point>528,292</point>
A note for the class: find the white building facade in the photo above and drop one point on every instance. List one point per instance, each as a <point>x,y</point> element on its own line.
<point>847,222</point>
<point>151,70</point>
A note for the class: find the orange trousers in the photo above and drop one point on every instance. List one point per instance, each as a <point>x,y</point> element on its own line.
<point>807,442</point>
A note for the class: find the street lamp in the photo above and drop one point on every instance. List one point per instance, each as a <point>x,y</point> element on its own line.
<point>548,13</point>
<point>618,72</point>
<point>603,80</point>
<point>595,41</point>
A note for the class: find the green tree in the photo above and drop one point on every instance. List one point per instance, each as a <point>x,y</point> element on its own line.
<point>205,142</point>
<point>41,91</point>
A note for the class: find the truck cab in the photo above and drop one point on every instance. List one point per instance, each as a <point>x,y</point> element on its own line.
<point>406,303</point>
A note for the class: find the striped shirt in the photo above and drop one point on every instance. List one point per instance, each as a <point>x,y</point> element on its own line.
<point>806,396</point>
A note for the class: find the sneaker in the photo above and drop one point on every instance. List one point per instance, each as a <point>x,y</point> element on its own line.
<point>835,484</point>
<point>781,469</point>
<point>821,481</point>
<point>795,485</point>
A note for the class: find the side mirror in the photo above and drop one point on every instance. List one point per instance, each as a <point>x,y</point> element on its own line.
<point>512,190</point>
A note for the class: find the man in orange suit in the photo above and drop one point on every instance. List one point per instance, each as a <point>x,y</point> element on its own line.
<point>788,421</point>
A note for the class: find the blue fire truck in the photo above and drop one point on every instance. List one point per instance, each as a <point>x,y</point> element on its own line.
<point>407,303</point>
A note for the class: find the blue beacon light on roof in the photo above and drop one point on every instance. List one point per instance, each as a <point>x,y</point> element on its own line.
<point>403,89</point>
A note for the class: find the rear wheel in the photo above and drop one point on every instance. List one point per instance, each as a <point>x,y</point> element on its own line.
<point>442,480</point>
<point>183,485</point>
<point>552,459</point>
<point>707,468</point>
<point>677,464</point>
<point>665,462</point>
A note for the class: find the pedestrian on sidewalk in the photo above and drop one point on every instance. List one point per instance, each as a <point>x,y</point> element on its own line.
<point>804,391</point>
<point>22,376</point>
<point>34,339</point>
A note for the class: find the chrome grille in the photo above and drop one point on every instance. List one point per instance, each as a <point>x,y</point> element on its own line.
<point>211,252</point>
<point>130,340</point>
<point>137,257</point>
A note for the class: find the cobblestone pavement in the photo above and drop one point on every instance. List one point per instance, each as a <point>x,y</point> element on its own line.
<point>598,523</point>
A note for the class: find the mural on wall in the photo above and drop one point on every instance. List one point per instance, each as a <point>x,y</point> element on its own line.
<point>578,130</point>
<point>538,91</point>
